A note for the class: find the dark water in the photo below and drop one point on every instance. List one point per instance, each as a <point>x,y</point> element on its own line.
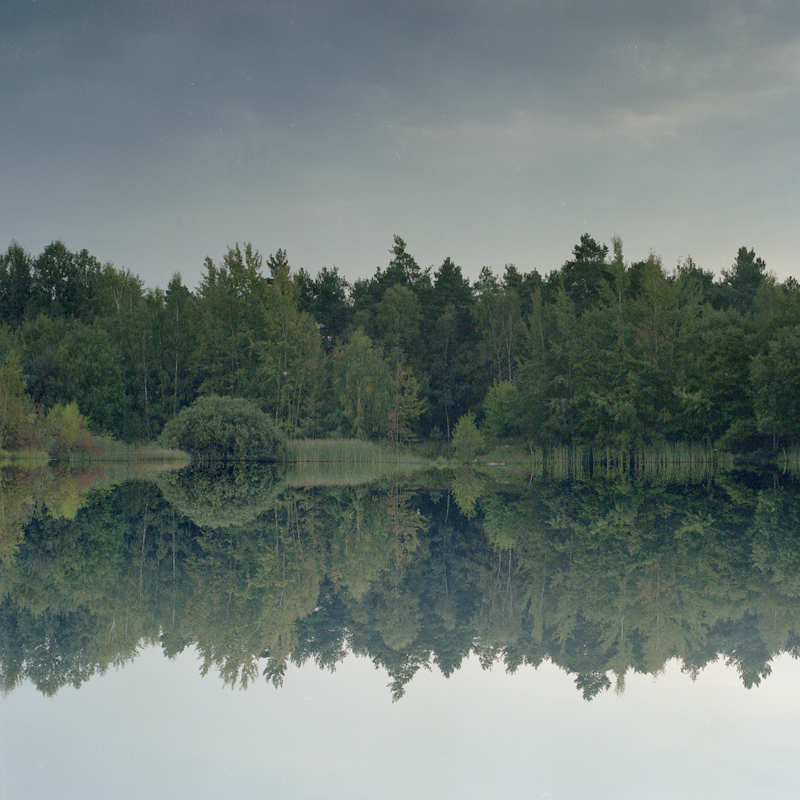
<point>510,626</point>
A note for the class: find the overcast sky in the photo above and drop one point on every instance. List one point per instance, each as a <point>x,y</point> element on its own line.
<point>157,132</point>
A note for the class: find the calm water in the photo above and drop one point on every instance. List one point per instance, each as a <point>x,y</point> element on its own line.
<point>445,635</point>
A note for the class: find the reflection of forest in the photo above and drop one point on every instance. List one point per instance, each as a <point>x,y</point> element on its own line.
<point>599,577</point>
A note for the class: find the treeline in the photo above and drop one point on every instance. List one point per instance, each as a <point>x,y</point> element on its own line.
<point>599,352</point>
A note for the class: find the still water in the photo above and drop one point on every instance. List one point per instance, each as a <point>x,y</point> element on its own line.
<point>444,636</point>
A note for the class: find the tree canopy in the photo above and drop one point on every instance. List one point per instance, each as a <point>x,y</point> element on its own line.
<point>599,351</point>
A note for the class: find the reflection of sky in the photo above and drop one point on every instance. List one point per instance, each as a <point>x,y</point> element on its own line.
<point>156,729</point>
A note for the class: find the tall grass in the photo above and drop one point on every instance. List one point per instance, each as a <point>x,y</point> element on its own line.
<point>337,462</point>
<point>105,448</point>
<point>679,462</point>
<point>351,451</point>
<point>559,463</point>
<point>790,461</point>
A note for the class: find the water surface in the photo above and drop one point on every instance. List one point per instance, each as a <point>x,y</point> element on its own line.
<point>450,635</point>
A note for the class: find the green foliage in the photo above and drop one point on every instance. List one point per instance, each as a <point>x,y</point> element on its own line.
<point>15,284</point>
<point>69,430</point>
<point>743,279</point>
<point>227,320</point>
<point>776,385</point>
<point>325,298</point>
<point>65,284</point>
<point>601,353</point>
<point>397,321</point>
<point>501,410</point>
<point>16,419</point>
<point>221,428</point>
<point>69,360</point>
<point>362,386</point>
<point>290,354</point>
<point>468,441</point>
<point>405,406</point>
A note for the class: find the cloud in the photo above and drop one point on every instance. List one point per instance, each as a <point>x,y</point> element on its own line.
<point>303,119</point>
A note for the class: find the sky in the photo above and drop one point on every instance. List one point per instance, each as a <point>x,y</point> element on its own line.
<point>159,132</point>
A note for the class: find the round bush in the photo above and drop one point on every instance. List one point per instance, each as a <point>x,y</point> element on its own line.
<point>225,428</point>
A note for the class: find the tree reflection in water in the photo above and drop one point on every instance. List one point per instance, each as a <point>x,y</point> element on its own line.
<point>600,577</point>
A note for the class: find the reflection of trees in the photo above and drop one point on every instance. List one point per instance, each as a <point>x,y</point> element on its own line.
<point>599,577</point>
<point>16,508</point>
<point>222,494</point>
<point>82,594</point>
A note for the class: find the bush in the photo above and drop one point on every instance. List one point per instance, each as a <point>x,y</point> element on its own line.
<point>69,430</point>
<point>225,428</point>
<point>467,439</point>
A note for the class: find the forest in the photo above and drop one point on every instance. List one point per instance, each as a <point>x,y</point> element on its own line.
<point>598,352</point>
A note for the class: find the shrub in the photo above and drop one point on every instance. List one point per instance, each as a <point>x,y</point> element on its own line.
<point>69,430</point>
<point>467,439</point>
<point>225,428</point>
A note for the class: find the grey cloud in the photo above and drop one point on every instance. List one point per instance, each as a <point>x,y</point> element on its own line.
<point>293,118</point>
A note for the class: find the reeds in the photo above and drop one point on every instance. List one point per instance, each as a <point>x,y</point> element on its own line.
<point>107,449</point>
<point>350,451</point>
<point>341,462</point>
<point>559,463</point>
<point>789,461</point>
<point>672,462</point>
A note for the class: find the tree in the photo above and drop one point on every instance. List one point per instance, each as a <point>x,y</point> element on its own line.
<point>130,316</point>
<point>64,284</point>
<point>290,354</point>
<point>361,384</point>
<point>654,313</point>
<point>722,376</point>
<point>15,284</point>
<point>501,410</point>
<point>776,386</point>
<point>403,269</point>
<point>177,304</point>
<point>67,360</point>
<point>228,318</point>
<point>405,405</point>
<point>326,299</point>
<point>499,315</point>
<point>455,377</point>
<point>743,279</point>
<point>15,415</point>
<point>69,429</point>
<point>583,277</point>
<point>397,323</point>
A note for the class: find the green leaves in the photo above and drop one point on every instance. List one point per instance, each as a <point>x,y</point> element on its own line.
<point>221,428</point>
<point>468,441</point>
<point>776,385</point>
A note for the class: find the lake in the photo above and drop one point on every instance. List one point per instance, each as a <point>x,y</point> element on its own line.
<point>256,633</point>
